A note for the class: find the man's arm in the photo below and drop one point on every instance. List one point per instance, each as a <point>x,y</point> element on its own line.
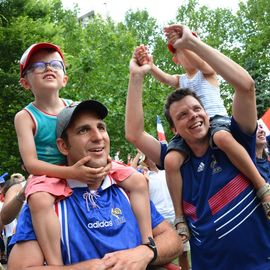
<point>28,256</point>
<point>244,102</point>
<point>143,57</point>
<point>14,199</point>
<point>198,63</point>
<point>168,243</point>
<point>134,122</point>
<point>195,61</point>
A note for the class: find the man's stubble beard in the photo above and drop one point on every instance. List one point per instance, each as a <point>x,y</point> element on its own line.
<point>102,162</point>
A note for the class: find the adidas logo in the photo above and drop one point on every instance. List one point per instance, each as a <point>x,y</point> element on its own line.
<point>201,167</point>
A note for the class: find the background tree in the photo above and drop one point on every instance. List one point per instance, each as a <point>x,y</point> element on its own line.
<point>97,58</point>
<point>254,29</point>
<point>23,23</point>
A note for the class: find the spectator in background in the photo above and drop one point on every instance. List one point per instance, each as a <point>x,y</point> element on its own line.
<point>2,242</point>
<point>17,177</point>
<point>268,146</point>
<point>13,191</point>
<point>160,196</point>
<point>129,159</point>
<point>262,157</point>
<point>117,156</point>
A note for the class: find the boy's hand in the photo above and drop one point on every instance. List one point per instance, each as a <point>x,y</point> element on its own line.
<point>139,56</point>
<point>142,55</point>
<point>129,259</point>
<point>87,174</point>
<point>179,36</point>
<point>172,33</point>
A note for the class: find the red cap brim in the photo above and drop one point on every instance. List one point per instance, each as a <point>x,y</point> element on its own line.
<point>33,49</point>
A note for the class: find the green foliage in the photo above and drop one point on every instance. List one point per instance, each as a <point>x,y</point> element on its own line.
<point>254,26</point>
<point>97,58</point>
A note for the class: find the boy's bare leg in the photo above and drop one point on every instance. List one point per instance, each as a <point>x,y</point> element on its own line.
<point>137,187</point>
<point>172,164</point>
<point>46,226</point>
<point>242,161</point>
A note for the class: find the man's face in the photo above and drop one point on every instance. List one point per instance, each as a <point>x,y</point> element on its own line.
<point>190,120</point>
<point>87,136</point>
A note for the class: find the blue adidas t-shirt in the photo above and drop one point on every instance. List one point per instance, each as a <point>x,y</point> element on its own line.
<point>228,226</point>
<point>92,223</point>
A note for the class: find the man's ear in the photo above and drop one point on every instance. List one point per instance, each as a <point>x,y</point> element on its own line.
<point>24,83</point>
<point>62,146</point>
<point>173,129</point>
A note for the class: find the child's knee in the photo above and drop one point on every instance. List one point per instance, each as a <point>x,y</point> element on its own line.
<point>141,184</point>
<point>223,139</point>
<point>174,160</point>
<point>40,201</point>
<point>137,183</point>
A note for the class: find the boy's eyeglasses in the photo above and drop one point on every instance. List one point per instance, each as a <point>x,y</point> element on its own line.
<point>40,67</point>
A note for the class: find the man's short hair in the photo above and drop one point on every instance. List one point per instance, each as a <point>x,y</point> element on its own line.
<point>175,96</point>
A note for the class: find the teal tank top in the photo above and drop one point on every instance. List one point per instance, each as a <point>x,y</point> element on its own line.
<point>45,134</point>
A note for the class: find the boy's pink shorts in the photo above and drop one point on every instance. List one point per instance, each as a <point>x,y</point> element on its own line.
<point>120,171</point>
<point>55,186</point>
<point>59,187</point>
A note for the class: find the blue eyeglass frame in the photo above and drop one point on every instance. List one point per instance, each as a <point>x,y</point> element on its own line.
<point>44,65</point>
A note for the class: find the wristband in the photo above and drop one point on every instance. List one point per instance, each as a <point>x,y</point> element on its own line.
<point>151,244</point>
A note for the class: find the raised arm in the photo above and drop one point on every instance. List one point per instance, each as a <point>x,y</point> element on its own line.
<point>144,57</point>
<point>199,63</point>
<point>244,102</point>
<point>195,61</point>
<point>14,199</point>
<point>134,122</point>
<point>163,77</point>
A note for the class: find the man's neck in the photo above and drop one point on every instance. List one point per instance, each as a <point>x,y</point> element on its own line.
<point>198,148</point>
<point>96,185</point>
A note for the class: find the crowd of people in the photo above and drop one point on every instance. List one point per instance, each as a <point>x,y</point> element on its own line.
<point>12,188</point>
<point>201,202</point>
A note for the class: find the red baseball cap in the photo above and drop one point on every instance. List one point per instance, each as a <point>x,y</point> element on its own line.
<point>172,49</point>
<point>33,49</point>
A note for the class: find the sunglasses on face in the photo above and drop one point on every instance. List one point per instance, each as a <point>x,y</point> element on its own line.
<point>40,67</point>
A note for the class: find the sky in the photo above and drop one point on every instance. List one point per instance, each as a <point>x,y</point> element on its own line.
<point>162,10</point>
